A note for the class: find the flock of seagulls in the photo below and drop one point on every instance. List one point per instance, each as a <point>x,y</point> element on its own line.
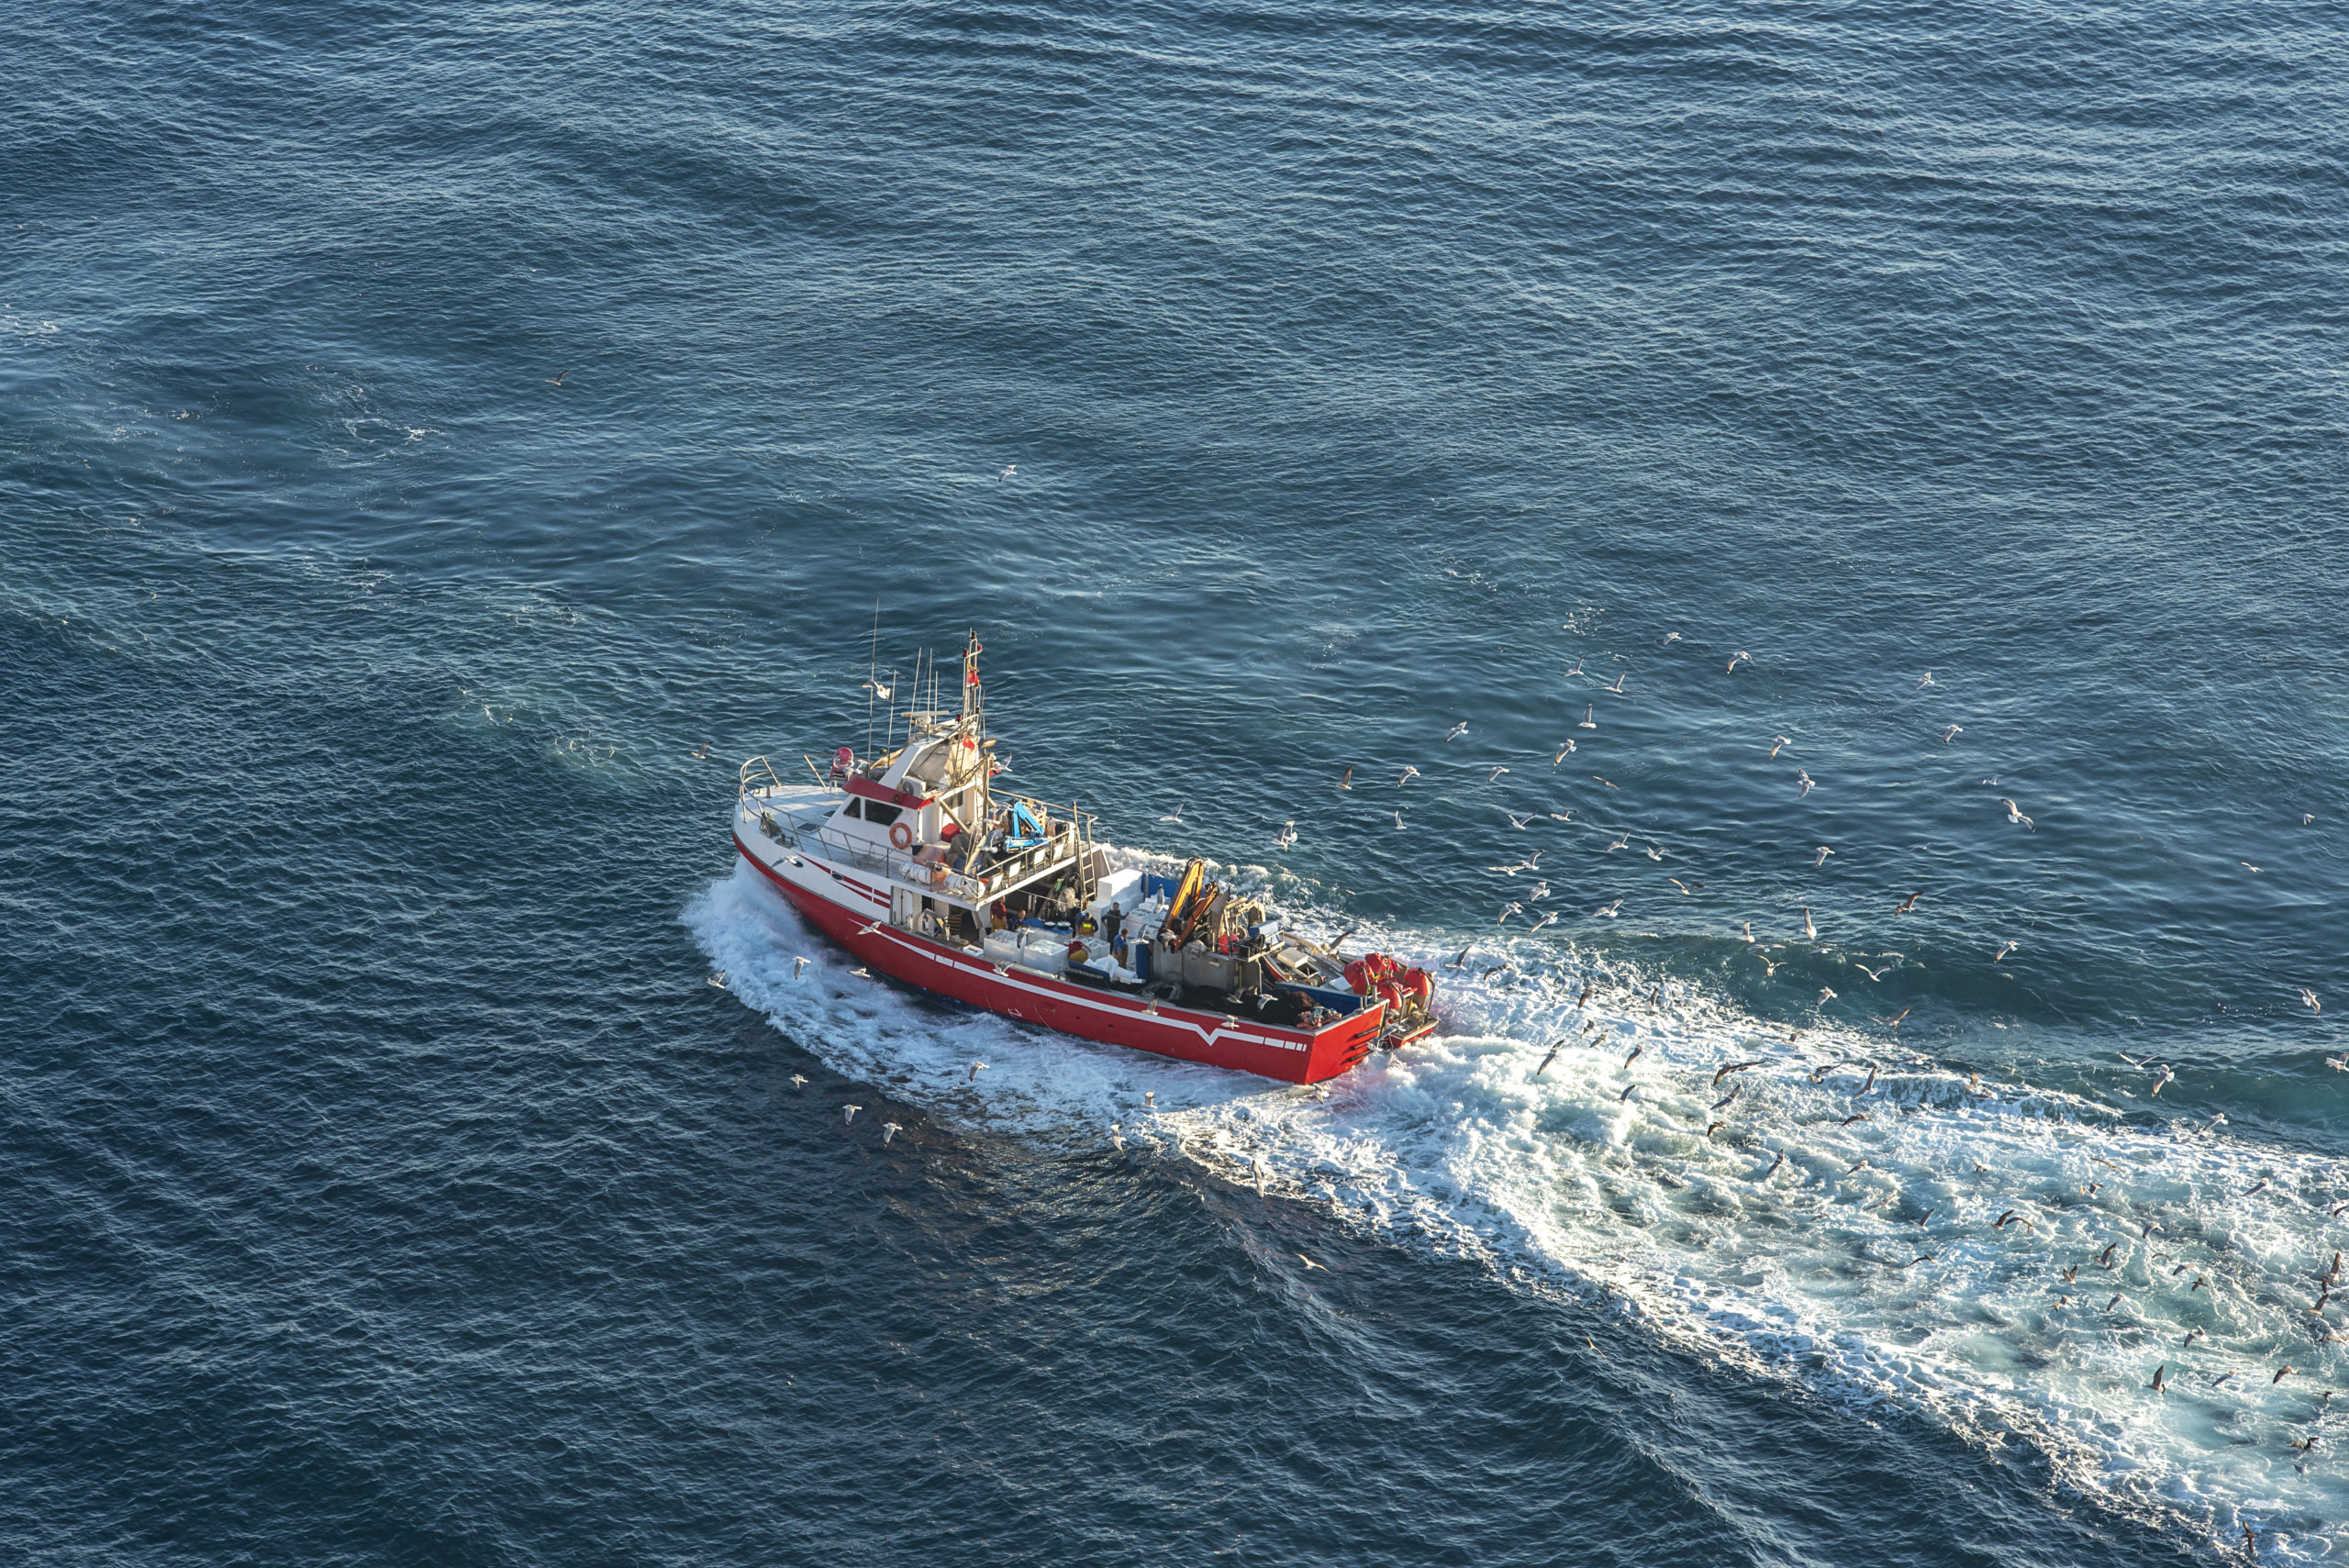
<point>1804,784</point>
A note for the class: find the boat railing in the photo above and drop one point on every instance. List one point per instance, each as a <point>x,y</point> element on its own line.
<point>757,777</point>
<point>898,866</point>
<point>1066,841</point>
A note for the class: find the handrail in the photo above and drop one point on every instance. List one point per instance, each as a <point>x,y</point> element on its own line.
<point>744,785</point>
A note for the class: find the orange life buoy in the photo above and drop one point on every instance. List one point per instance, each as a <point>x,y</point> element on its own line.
<point>901,835</point>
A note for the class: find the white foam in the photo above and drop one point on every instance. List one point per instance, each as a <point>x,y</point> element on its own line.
<point>1453,1145</point>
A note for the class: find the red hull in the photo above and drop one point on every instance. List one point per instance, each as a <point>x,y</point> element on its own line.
<point>1219,1040</point>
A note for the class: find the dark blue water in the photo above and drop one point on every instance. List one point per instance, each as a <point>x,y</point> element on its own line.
<point>419,432</point>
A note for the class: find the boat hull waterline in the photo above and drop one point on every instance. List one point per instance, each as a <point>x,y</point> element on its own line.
<point>853,911</point>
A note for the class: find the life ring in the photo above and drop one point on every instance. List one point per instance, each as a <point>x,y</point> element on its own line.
<point>901,835</point>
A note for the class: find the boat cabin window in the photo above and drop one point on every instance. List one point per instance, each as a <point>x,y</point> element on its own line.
<point>875,812</point>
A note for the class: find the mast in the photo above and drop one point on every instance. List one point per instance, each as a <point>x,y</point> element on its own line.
<point>974,726</point>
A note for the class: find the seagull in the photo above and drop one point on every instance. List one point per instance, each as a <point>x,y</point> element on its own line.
<point>2281,1373</point>
<point>1577,668</point>
<point>1457,730</point>
<point>1547,1060</point>
<point>1926,681</point>
<point>1009,471</point>
<point>2338,1064</point>
<point>1493,774</point>
<point>1739,657</point>
<point>2014,814</point>
<point>1176,814</point>
<point>1610,910</point>
<point>1894,1022</point>
<point>556,380</point>
<point>1873,974</point>
<point>2254,1192</point>
<point>1563,751</point>
<point>1287,835</point>
<point>1346,780</point>
<point>1507,910</point>
<point>977,1068</point>
<point>718,980</point>
<point>796,965</point>
<point>2306,816</point>
<point>1823,853</point>
<point>1587,722</point>
<point>1669,638</point>
<point>2166,1078</point>
<point>702,754</point>
<point>1952,733</point>
<point>1907,904</point>
<point>1732,1067</point>
<point>1623,844</point>
<point>2003,952</point>
<point>1774,1164</point>
<point>861,972</point>
<point>1628,1090</point>
<point>2248,866</point>
<point>1807,782</point>
<point>1826,994</point>
<point>1652,853</point>
<point>1514,820</point>
<point>798,1080</point>
<point>889,1130</point>
<point>2114,1302</point>
<point>1410,774</point>
<point>2308,997</point>
<point>866,930</point>
<point>2156,1384</point>
<point>1749,933</point>
<point>1461,962</point>
<point>1777,742</point>
<point>1609,784</point>
<point>848,1113</point>
<point>1810,931</point>
<point>1541,890</point>
<point>1400,828</point>
<point>1618,687</point>
<point>1734,1090</point>
<point>1683,888</point>
<point>1542,922</point>
<point>1311,1264</point>
<point>1769,969</point>
<point>1587,987</point>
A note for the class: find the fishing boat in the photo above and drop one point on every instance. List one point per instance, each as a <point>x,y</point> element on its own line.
<point>914,861</point>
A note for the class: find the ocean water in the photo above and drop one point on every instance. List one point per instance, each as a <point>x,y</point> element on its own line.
<point>421,432</point>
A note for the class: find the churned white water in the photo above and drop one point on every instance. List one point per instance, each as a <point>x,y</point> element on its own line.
<point>1838,1235</point>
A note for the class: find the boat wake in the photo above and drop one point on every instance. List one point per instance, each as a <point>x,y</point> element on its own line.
<point>1895,1234</point>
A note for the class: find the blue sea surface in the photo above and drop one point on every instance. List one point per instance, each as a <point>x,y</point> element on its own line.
<point>422,431</point>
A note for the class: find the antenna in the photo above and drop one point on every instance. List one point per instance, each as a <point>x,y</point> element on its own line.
<point>872,679</point>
